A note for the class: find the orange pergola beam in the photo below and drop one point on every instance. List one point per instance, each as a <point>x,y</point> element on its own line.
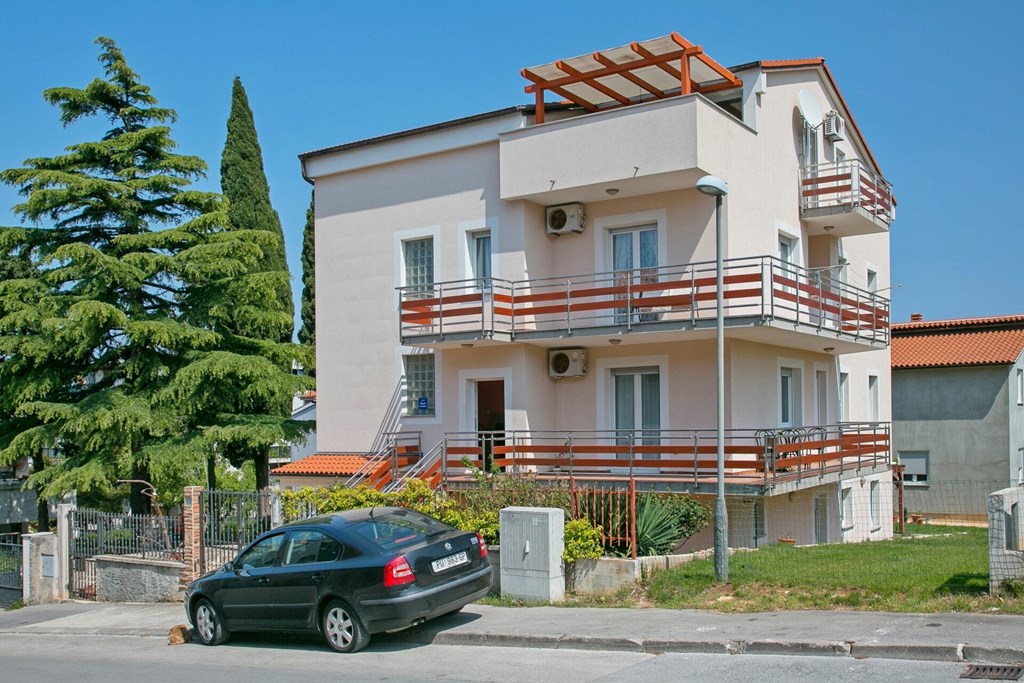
<point>631,77</point>
<point>574,76</point>
<point>586,78</point>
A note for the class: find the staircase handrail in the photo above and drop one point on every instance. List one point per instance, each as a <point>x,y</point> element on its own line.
<point>414,472</point>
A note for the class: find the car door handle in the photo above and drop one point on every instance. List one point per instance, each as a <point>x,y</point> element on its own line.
<point>264,579</point>
<point>317,578</point>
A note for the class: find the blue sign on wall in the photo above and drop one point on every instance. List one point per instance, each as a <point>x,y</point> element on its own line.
<point>421,403</point>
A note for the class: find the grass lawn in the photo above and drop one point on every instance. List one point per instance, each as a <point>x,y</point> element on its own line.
<point>931,569</point>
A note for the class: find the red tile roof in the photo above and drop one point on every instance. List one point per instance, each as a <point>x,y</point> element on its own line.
<point>327,465</point>
<point>963,342</point>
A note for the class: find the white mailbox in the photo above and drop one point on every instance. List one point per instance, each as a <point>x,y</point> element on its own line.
<point>532,540</point>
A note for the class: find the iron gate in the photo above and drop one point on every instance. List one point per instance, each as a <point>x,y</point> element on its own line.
<point>229,520</point>
<point>92,533</point>
<point>10,567</point>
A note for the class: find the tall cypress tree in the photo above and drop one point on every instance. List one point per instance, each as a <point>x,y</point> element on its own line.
<point>138,342</point>
<point>244,184</point>
<point>307,333</point>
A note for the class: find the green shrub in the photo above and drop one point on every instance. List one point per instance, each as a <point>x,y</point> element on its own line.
<point>664,520</point>
<point>582,541</point>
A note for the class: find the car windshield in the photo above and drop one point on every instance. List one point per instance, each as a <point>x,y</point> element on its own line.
<point>398,529</point>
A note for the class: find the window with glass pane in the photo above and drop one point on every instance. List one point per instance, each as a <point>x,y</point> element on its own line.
<point>306,547</point>
<point>637,407</point>
<point>263,554</point>
<point>846,498</point>
<point>481,250</point>
<point>635,260</point>
<point>419,384</point>
<point>915,466</point>
<point>789,397</point>
<point>872,398</point>
<point>419,263</point>
<point>844,396</point>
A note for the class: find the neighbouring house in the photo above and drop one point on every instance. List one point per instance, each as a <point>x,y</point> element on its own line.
<point>534,289</point>
<point>321,469</point>
<point>958,404</point>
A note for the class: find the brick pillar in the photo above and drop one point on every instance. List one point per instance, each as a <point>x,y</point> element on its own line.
<point>191,536</point>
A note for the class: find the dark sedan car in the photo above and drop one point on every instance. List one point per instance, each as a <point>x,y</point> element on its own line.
<point>347,575</point>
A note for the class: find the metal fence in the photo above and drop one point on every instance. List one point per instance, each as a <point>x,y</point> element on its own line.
<point>229,520</point>
<point>92,533</point>
<point>10,561</point>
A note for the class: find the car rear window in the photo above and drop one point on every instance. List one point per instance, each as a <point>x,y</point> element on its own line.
<point>398,529</point>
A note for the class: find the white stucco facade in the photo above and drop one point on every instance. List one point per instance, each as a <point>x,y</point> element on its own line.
<point>632,168</point>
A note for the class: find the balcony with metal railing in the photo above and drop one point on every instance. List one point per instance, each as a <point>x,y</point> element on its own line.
<point>845,199</point>
<point>765,300</point>
<point>757,461</point>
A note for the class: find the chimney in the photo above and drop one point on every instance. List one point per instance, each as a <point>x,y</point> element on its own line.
<point>916,317</point>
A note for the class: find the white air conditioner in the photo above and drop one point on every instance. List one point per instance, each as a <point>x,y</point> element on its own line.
<point>567,363</point>
<point>565,218</point>
<point>835,127</point>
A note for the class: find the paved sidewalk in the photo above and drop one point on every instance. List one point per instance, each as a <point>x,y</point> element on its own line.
<point>997,639</point>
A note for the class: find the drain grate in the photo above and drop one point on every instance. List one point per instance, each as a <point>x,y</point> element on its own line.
<point>993,672</point>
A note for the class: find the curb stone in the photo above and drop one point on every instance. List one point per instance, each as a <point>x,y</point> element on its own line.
<point>816,649</point>
<point>934,653</point>
<point>708,647</point>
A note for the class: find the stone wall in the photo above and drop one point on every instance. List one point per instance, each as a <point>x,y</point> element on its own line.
<point>131,579</point>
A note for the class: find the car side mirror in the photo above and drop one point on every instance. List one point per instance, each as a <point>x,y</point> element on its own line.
<point>229,567</point>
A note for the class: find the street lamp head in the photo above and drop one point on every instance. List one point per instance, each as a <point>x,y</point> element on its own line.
<point>712,185</point>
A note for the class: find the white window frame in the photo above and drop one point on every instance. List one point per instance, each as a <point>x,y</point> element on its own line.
<point>400,353</point>
<point>467,394</point>
<point>874,404</point>
<point>871,280</point>
<point>796,373</point>
<point>819,392</point>
<point>468,231</point>
<point>403,236</point>
<point>844,395</point>
<point>604,226</point>
<point>1020,386</point>
<point>925,456</point>
<point>605,387</point>
<point>846,515</point>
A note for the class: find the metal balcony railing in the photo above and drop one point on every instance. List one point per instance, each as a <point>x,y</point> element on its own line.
<point>681,296</point>
<point>846,184</point>
<point>753,457</point>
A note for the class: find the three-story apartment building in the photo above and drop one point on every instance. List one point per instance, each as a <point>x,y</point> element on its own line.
<point>535,288</point>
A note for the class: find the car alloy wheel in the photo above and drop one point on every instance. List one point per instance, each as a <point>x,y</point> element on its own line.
<point>343,629</point>
<point>208,624</point>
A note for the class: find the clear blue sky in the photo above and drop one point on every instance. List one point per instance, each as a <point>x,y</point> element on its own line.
<point>934,86</point>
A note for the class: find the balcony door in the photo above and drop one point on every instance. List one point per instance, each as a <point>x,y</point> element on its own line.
<point>634,260</point>
<point>637,407</point>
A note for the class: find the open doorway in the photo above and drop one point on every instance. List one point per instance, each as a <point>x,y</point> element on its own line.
<point>490,417</point>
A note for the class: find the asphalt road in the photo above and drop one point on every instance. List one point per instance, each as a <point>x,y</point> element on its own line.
<point>86,658</point>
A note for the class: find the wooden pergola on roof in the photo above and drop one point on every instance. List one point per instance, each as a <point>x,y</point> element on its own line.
<point>651,69</point>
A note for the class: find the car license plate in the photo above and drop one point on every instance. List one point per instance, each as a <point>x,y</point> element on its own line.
<point>449,562</point>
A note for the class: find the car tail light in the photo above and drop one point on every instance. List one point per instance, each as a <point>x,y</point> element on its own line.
<point>397,572</point>
<point>483,546</point>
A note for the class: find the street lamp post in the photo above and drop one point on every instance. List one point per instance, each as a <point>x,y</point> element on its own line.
<point>716,187</point>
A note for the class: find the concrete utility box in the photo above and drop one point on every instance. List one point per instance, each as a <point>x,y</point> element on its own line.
<point>532,540</point>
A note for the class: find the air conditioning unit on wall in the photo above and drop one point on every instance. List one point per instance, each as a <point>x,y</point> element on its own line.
<point>567,363</point>
<point>565,218</point>
<point>835,127</point>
